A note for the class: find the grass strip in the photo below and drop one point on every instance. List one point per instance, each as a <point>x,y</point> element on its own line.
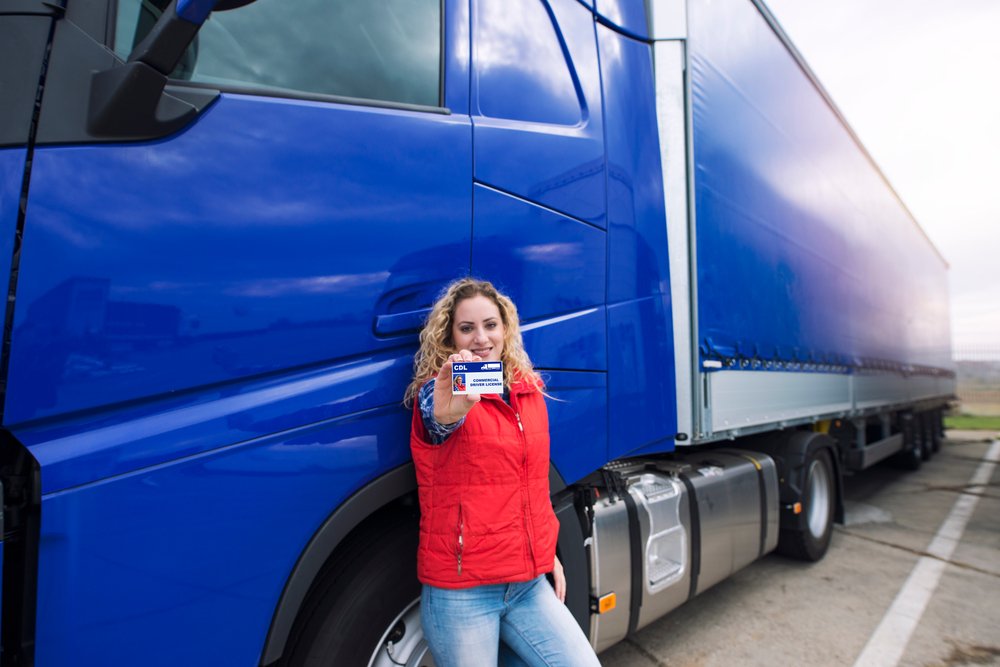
<point>972,422</point>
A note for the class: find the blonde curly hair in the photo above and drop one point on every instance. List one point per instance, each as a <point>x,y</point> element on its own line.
<point>437,343</point>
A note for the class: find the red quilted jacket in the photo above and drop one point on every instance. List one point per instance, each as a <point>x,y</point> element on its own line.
<point>486,514</point>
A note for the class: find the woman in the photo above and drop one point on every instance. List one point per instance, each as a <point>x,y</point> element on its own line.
<point>487,530</point>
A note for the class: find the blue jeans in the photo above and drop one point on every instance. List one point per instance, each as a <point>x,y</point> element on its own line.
<point>464,628</point>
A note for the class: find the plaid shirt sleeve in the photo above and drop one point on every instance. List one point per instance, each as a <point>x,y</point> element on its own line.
<point>437,431</point>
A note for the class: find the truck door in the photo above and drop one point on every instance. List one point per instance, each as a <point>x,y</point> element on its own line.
<point>309,212</point>
<point>301,217</point>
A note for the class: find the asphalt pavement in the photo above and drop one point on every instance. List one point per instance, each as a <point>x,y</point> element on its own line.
<point>911,579</point>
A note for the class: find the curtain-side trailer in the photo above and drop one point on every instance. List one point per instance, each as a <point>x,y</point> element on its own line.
<point>222,224</point>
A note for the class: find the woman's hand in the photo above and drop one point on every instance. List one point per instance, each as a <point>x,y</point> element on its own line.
<point>559,578</point>
<point>449,408</point>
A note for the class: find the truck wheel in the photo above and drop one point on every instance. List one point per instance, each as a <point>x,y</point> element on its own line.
<point>926,435</point>
<point>912,456</point>
<point>937,430</point>
<point>818,503</point>
<point>364,608</point>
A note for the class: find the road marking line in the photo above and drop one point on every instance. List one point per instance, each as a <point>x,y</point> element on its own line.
<point>885,647</point>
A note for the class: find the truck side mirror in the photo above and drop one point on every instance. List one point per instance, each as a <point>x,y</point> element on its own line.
<point>128,101</point>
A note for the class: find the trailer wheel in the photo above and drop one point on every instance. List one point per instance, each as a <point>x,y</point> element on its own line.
<point>912,457</point>
<point>937,431</point>
<point>926,430</point>
<point>818,503</point>
<point>364,608</point>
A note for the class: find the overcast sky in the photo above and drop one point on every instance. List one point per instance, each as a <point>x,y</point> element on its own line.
<point>919,82</point>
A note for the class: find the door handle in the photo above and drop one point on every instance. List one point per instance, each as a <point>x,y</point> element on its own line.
<point>397,324</point>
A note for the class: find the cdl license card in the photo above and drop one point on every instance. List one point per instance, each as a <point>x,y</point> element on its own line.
<point>477,377</point>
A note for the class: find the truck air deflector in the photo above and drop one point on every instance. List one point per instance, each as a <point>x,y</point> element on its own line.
<point>640,378</point>
<point>638,264</point>
<point>640,345</point>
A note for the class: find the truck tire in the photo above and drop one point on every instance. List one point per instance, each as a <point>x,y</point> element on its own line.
<point>926,431</point>
<point>912,456</point>
<point>364,607</point>
<point>818,502</point>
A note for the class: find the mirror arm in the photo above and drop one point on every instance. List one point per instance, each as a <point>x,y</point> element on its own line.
<point>166,42</point>
<point>128,101</point>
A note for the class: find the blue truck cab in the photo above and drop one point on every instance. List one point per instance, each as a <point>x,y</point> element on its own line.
<point>222,225</point>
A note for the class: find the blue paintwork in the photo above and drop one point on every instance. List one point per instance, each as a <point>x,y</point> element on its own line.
<point>532,137</point>
<point>628,16</point>
<point>199,549</point>
<point>11,175</point>
<point>572,340</point>
<point>637,235</point>
<point>520,245</point>
<point>212,337</point>
<point>213,536</point>
<point>115,442</point>
<point>578,421</point>
<point>204,376</point>
<point>641,412</point>
<point>803,252</point>
<point>248,270</point>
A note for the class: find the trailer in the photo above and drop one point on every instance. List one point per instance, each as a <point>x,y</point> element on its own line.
<point>222,224</point>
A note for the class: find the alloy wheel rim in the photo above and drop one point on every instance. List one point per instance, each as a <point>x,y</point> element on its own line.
<point>403,642</point>
<point>819,499</point>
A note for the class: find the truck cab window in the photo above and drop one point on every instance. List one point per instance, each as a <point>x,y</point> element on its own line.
<point>388,51</point>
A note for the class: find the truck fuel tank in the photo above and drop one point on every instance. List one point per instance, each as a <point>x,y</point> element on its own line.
<point>664,530</point>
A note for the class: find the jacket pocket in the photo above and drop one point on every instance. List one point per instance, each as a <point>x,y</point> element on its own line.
<point>460,545</point>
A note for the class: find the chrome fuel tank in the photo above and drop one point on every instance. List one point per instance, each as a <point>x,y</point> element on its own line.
<point>663,531</point>
<point>737,511</point>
